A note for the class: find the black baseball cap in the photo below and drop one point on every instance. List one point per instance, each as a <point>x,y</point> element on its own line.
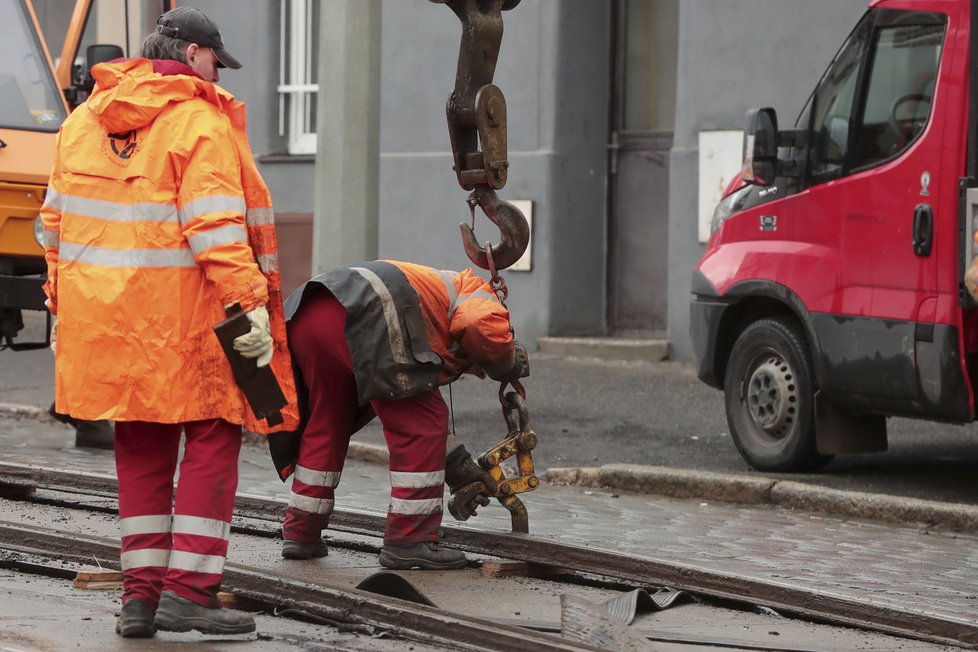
<point>191,25</point>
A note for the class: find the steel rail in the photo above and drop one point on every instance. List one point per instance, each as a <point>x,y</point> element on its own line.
<point>813,604</point>
<point>402,618</point>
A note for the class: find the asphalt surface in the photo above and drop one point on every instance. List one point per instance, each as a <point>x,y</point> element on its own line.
<point>590,413</point>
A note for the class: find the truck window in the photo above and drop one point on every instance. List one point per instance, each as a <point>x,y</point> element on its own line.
<point>900,91</point>
<point>31,99</point>
<point>833,108</point>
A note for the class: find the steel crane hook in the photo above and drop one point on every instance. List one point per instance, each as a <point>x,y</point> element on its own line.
<point>513,228</point>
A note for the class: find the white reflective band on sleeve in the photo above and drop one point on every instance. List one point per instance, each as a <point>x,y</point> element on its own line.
<point>394,333</point>
<point>406,480</point>
<point>152,524</point>
<point>479,294</point>
<point>212,204</point>
<point>230,234</point>
<point>118,212</point>
<point>50,238</point>
<point>415,507</point>
<point>268,263</point>
<point>70,251</point>
<point>317,478</point>
<point>196,563</point>
<point>311,505</point>
<point>52,199</point>
<point>260,217</point>
<point>448,278</point>
<point>205,527</point>
<point>144,557</point>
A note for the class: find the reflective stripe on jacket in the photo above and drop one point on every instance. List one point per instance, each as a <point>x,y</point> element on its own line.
<point>155,219</point>
<point>410,328</point>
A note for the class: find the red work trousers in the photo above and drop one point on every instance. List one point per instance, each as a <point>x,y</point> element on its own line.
<point>415,428</point>
<point>178,545</point>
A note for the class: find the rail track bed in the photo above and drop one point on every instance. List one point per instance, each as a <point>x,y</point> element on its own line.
<point>54,522</point>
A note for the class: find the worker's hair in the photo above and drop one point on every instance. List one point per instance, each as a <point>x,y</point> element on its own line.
<point>157,46</point>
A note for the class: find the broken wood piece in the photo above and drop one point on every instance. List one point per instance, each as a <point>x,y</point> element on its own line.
<point>511,568</point>
<point>98,580</point>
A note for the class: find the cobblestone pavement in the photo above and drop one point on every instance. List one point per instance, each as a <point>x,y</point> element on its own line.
<point>891,565</point>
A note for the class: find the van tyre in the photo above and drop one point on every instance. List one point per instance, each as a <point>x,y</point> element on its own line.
<point>769,392</point>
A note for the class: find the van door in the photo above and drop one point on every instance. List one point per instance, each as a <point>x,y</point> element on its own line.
<point>876,188</point>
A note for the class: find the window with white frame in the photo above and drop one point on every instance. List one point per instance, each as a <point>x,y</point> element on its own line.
<point>298,74</point>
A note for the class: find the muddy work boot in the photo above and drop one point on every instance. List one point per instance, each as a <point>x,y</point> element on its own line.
<point>94,434</point>
<point>299,550</point>
<point>176,614</point>
<point>135,620</point>
<point>426,555</point>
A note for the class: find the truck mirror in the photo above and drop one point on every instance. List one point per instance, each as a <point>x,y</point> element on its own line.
<point>760,147</point>
<point>96,54</point>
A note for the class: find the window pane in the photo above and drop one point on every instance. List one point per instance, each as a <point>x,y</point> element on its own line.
<point>31,99</point>
<point>651,33</point>
<point>900,92</point>
<point>833,109</point>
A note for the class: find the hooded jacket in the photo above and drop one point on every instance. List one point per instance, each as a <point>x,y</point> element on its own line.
<point>156,218</point>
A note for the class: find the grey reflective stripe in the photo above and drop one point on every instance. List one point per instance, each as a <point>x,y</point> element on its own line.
<point>317,478</point>
<point>448,278</point>
<point>479,294</point>
<point>230,234</point>
<point>52,199</point>
<point>260,217</point>
<point>212,204</point>
<point>50,238</point>
<point>268,263</point>
<point>70,251</point>
<point>196,563</point>
<point>118,212</point>
<point>144,557</point>
<point>406,480</point>
<point>151,524</point>
<point>394,333</point>
<point>311,505</point>
<point>415,507</point>
<point>202,527</point>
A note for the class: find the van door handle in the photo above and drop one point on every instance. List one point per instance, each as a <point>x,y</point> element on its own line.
<point>923,230</point>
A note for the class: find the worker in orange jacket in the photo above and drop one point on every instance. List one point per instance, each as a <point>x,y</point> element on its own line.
<point>379,338</point>
<point>156,220</point>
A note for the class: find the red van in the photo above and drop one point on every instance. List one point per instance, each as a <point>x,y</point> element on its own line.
<point>830,294</point>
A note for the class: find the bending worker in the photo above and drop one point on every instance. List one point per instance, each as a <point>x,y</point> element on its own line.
<point>377,339</point>
<point>155,221</point>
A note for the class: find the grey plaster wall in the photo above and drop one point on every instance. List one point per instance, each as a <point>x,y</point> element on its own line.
<point>734,55</point>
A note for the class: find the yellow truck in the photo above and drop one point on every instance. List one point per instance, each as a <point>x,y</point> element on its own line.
<point>37,90</point>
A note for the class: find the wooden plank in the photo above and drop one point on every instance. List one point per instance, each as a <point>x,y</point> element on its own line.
<point>98,580</point>
<point>511,568</point>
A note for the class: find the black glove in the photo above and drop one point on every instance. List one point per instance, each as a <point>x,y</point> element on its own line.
<point>461,469</point>
<point>520,368</point>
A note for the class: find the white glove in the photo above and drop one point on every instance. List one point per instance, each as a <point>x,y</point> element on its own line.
<point>256,343</point>
<point>971,279</point>
<point>54,334</point>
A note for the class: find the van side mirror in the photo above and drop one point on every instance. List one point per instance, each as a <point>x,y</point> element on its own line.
<point>760,147</point>
<point>94,55</point>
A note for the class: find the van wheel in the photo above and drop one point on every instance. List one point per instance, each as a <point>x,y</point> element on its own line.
<point>770,398</point>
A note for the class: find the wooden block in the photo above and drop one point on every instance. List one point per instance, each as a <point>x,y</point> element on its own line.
<point>510,568</point>
<point>98,580</point>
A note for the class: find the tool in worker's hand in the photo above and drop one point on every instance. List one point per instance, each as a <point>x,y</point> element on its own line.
<point>258,384</point>
<point>476,112</point>
<point>519,441</point>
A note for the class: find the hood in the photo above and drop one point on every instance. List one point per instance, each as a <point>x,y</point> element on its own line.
<point>130,93</point>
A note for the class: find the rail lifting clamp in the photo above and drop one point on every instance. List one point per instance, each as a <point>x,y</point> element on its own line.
<point>520,441</point>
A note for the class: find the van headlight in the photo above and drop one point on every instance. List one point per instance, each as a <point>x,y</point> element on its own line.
<point>732,203</point>
<point>39,231</point>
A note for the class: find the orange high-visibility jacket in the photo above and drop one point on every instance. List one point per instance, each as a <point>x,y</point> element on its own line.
<point>155,219</point>
<point>410,328</point>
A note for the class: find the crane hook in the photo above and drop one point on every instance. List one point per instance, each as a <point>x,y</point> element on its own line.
<point>513,228</point>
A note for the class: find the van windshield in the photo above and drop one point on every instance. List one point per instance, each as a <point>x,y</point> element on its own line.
<point>29,95</point>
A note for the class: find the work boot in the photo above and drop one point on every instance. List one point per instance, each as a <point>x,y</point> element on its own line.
<point>426,555</point>
<point>176,614</point>
<point>299,550</point>
<point>135,620</point>
<point>94,434</point>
